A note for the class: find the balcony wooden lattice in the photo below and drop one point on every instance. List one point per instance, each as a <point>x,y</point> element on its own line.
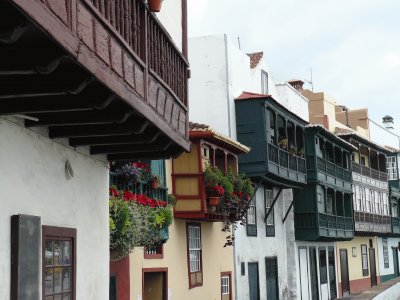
<point>367,223</point>
<point>101,73</point>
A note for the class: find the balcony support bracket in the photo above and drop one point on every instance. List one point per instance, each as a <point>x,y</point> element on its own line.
<point>273,204</point>
<point>289,208</point>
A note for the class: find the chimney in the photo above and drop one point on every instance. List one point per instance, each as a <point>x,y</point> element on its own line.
<point>297,84</point>
<point>387,122</point>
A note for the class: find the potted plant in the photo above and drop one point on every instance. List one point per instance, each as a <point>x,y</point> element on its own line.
<point>155,181</point>
<point>283,143</point>
<point>218,191</point>
<point>292,150</point>
<point>155,5</point>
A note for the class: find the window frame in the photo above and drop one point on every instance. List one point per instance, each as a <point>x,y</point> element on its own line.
<point>195,284</point>
<point>53,233</point>
<point>365,271</point>
<point>385,251</point>
<point>269,228</point>
<point>229,275</point>
<point>391,162</point>
<point>251,229</point>
<point>264,82</point>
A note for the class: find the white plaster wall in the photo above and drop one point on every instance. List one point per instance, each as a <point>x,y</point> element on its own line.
<point>220,72</point>
<point>256,249</point>
<point>208,86</point>
<point>293,100</point>
<point>383,136</point>
<point>171,18</point>
<point>33,182</point>
<point>391,242</point>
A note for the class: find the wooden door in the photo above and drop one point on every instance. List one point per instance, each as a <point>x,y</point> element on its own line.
<point>344,272</point>
<point>372,266</point>
<point>254,286</point>
<point>271,271</point>
<point>154,286</point>
<point>395,261</point>
<point>314,273</point>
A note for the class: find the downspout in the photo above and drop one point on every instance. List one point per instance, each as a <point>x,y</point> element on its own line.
<point>228,94</point>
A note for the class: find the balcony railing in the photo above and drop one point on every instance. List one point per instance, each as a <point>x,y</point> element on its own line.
<point>375,174</point>
<point>284,159</point>
<point>329,225</point>
<point>368,222</point>
<point>333,170</point>
<point>396,225</point>
<point>147,37</point>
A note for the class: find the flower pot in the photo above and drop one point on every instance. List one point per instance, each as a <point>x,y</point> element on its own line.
<point>154,185</point>
<point>155,5</point>
<point>213,201</point>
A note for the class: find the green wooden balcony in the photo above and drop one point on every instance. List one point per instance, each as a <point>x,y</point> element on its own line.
<point>313,226</point>
<point>395,225</point>
<point>366,171</point>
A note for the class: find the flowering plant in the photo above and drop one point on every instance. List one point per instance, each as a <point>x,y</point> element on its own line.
<point>218,190</point>
<point>136,220</point>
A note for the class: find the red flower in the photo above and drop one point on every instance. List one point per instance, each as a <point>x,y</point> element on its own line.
<point>218,190</point>
<point>113,192</point>
<point>128,195</point>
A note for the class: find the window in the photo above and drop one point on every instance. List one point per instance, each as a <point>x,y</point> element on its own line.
<point>269,198</point>
<point>264,82</point>
<point>368,201</point>
<point>385,253</point>
<point>322,266</point>
<point>364,260</point>
<point>194,255</point>
<point>362,199</point>
<point>153,252</point>
<point>362,160</point>
<point>59,252</point>
<point>329,210</point>
<point>392,167</point>
<point>251,225</point>
<point>395,212</point>
<point>226,286</point>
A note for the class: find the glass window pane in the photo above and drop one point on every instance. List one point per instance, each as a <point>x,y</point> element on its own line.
<point>66,296</point>
<point>49,253</point>
<point>66,253</point>
<point>48,282</point>
<point>49,298</point>
<point>58,297</point>
<point>57,253</point>
<point>57,279</point>
<point>66,279</point>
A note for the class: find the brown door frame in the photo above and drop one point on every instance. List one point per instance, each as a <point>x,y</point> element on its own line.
<point>372,268</point>
<point>228,273</point>
<point>341,270</point>
<point>156,270</point>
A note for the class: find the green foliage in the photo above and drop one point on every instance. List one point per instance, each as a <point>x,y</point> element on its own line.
<point>171,200</point>
<point>212,176</point>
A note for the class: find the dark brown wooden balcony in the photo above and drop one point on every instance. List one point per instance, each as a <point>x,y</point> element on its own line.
<point>371,223</point>
<point>363,170</point>
<point>102,73</point>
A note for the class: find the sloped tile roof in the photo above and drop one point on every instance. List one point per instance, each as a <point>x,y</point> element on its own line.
<point>249,95</point>
<point>255,58</point>
<point>211,133</point>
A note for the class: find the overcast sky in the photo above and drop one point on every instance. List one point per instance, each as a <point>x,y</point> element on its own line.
<point>353,46</point>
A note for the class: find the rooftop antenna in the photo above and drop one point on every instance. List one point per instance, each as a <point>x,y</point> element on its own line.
<point>239,43</point>
<point>310,81</point>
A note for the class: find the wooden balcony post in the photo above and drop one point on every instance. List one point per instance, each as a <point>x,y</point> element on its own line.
<point>225,162</point>
<point>335,197</point>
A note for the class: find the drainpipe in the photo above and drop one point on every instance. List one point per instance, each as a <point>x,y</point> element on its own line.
<point>228,94</point>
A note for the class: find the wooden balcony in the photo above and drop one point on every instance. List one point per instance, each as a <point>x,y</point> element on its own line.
<point>363,170</point>
<point>396,225</point>
<point>102,73</point>
<point>319,227</point>
<point>371,223</point>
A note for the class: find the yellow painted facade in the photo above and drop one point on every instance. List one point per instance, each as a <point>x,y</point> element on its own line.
<point>356,277</point>
<point>215,260</point>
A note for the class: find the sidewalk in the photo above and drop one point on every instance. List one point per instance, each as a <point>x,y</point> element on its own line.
<point>380,289</point>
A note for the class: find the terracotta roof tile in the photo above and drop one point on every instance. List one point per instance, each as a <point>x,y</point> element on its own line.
<point>249,95</point>
<point>255,58</point>
<point>197,127</point>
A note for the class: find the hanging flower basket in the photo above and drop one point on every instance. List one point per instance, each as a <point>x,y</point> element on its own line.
<point>155,5</point>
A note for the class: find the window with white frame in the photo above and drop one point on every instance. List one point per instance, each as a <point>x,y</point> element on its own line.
<point>194,253</point>
<point>269,198</point>
<point>362,199</point>
<point>391,167</point>
<point>385,253</point>
<point>264,82</point>
<point>251,221</point>
<point>364,260</point>
<point>377,204</point>
<point>368,202</point>
<point>225,290</point>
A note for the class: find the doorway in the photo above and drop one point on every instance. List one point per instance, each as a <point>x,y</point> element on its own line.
<point>155,284</point>
<point>395,261</point>
<point>372,264</point>
<point>254,286</point>
<point>344,272</point>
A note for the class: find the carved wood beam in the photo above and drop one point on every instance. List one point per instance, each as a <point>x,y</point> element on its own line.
<point>160,146</point>
<point>129,127</point>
